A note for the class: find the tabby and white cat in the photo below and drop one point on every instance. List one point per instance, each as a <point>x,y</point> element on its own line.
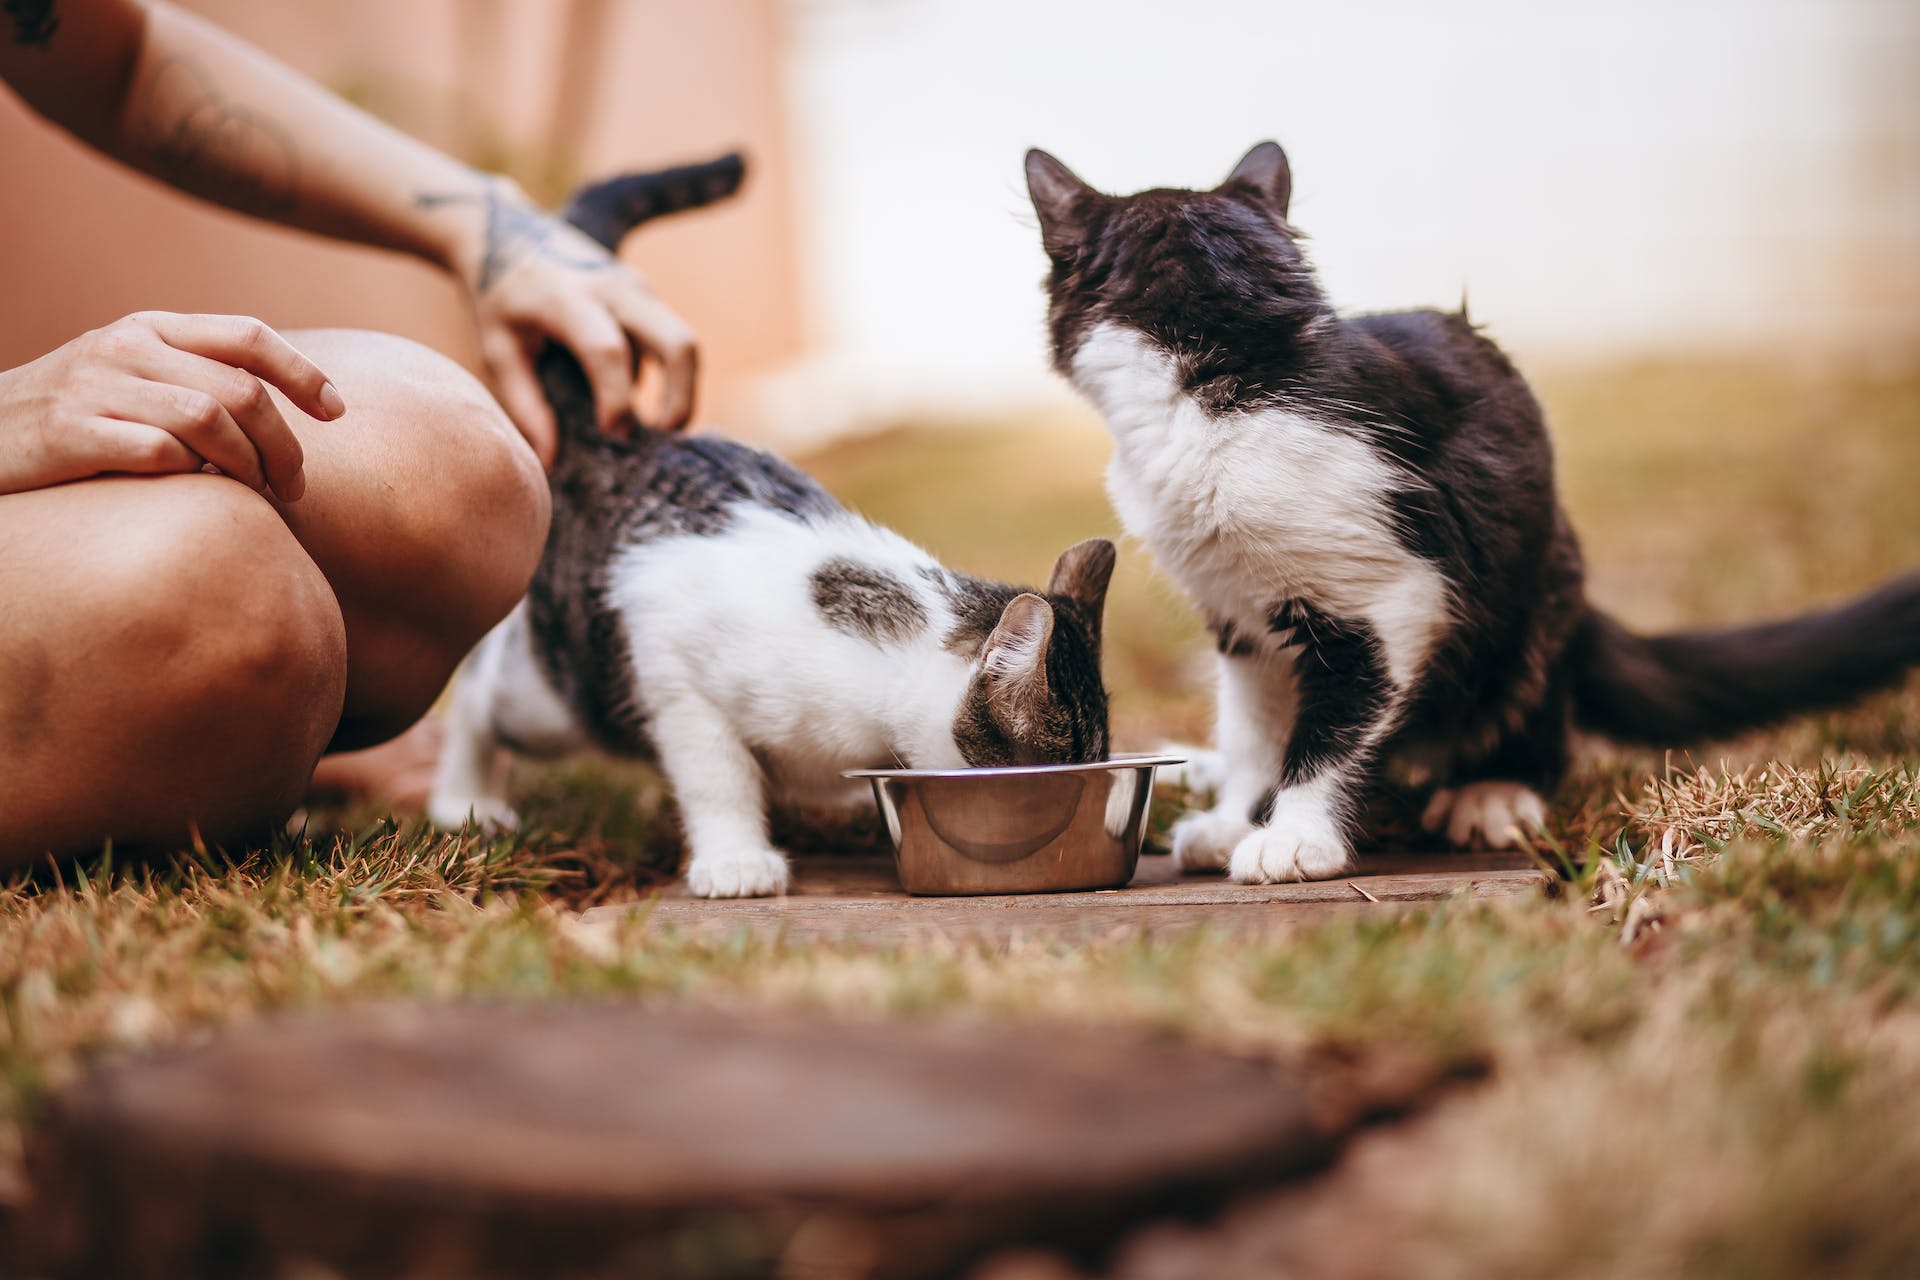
<point>710,606</point>
<point>1364,509</point>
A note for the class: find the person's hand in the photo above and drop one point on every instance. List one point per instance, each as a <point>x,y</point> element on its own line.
<point>535,279</point>
<point>156,393</point>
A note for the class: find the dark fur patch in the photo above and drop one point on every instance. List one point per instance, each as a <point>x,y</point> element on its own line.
<point>866,602</point>
<point>1072,727</point>
<point>983,743</point>
<point>1340,679</point>
<point>1231,641</point>
<point>977,604</point>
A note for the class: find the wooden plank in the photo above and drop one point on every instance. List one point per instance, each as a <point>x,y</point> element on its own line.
<point>503,1140</point>
<point>861,900</point>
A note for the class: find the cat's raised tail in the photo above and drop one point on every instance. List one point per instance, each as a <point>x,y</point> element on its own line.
<point>1693,685</point>
<point>609,209</point>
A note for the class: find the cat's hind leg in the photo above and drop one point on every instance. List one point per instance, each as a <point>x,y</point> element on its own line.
<point>1491,812</point>
<point>468,782</point>
<point>500,699</point>
<point>1497,802</point>
<point>721,791</point>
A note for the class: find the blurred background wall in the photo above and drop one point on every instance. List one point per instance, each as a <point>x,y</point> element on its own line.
<point>1604,179</point>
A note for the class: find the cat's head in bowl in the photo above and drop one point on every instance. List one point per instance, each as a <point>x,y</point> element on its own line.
<point>1036,696</point>
<point>1201,275</point>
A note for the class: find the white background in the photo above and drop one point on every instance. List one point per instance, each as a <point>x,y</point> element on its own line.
<point>1602,178</point>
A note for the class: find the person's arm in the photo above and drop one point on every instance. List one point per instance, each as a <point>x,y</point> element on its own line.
<point>177,97</point>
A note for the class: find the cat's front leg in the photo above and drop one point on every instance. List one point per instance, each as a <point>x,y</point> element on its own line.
<point>721,792</point>
<point>1304,838</point>
<point>1346,706</point>
<point>1253,717</point>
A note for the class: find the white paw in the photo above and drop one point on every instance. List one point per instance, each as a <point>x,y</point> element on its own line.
<point>1502,814</point>
<point>751,873</point>
<point>1298,844</point>
<point>1203,840</point>
<point>482,812</point>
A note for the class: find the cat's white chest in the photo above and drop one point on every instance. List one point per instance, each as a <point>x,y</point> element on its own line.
<point>1248,510</point>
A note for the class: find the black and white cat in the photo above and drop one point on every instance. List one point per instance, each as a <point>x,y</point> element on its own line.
<point>708,605</point>
<point>1364,509</point>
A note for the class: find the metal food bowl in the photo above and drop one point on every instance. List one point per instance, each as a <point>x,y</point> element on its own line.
<point>1030,829</point>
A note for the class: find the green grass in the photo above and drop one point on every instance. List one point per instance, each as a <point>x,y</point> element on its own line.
<point>1702,1058</point>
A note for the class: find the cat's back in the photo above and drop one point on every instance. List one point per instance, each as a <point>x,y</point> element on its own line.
<point>659,498</point>
<point>1485,501</point>
<point>1461,422</point>
<point>611,490</point>
<point>1437,369</point>
<point>1438,354</point>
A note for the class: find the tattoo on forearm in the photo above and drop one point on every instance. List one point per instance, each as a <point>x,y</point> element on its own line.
<point>213,146</point>
<point>34,22</point>
<point>513,233</point>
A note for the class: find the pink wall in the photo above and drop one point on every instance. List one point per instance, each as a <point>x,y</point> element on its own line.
<point>82,241</point>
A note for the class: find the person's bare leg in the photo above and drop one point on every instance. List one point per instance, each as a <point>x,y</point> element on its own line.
<point>170,661</point>
<point>171,658</point>
<point>425,510</point>
<point>396,776</point>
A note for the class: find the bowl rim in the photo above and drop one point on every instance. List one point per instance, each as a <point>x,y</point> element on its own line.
<point>1144,760</point>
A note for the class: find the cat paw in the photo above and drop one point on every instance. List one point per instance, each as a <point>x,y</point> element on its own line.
<point>485,813</point>
<point>1204,839</point>
<point>1293,846</point>
<point>751,873</point>
<point>1501,814</point>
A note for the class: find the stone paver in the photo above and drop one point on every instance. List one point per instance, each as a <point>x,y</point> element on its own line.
<point>847,898</point>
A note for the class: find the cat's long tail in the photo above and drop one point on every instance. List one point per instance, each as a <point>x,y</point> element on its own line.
<point>607,211</point>
<point>1693,685</point>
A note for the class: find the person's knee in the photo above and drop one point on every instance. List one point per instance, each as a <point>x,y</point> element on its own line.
<point>188,662</point>
<point>244,650</point>
<point>475,501</point>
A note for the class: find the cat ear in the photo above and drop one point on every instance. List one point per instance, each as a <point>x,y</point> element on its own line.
<point>1060,199</point>
<point>1014,660</point>
<point>1081,574</point>
<point>1265,169</point>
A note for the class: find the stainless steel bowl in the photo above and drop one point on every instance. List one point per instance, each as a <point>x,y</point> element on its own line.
<point>1034,829</point>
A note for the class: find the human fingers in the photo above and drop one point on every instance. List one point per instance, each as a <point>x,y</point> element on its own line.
<point>666,338</point>
<point>199,421</point>
<point>246,343</point>
<point>597,341</point>
<point>518,385</point>
<point>134,447</point>
<point>247,402</point>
